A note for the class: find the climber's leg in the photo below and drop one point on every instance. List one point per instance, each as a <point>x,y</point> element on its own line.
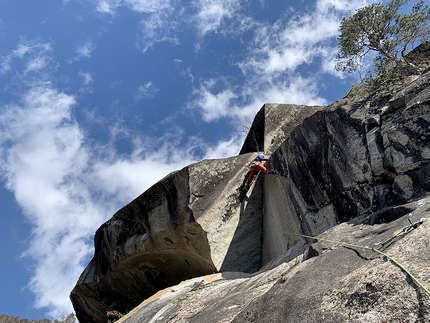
<point>261,167</point>
<point>251,176</point>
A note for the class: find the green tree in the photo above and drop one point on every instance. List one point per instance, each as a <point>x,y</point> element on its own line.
<point>381,28</point>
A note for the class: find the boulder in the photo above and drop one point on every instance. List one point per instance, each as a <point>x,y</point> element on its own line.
<point>191,223</point>
<point>357,171</point>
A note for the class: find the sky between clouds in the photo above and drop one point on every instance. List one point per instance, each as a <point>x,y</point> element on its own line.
<point>102,98</point>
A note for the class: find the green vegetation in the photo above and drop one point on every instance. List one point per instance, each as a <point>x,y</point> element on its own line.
<point>384,30</point>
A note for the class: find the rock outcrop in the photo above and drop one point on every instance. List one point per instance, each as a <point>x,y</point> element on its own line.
<point>13,319</point>
<point>353,171</point>
<point>328,283</point>
<point>363,157</point>
<point>189,224</point>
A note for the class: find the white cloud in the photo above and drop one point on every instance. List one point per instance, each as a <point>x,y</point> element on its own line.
<point>83,50</point>
<point>86,77</point>
<point>62,187</point>
<point>87,81</point>
<point>325,6</point>
<point>270,69</point>
<point>162,19</point>
<point>22,49</point>
<point>68,187</point>
<point>212,13</point>
<point>37,63</point>
<point>38,53</point>
<point>156,28</point>
<point>35,164</point>
<point>108,6</point>
<point>299,90</point>
<point>241,104</point>
<point>145,91</point>
<point>159,19</point>
<point>5,64</point>
<point>146,6</point>
<point>141,6</point>
<point>225,148</point>
<point>213,105</point>
<point>293,41</point>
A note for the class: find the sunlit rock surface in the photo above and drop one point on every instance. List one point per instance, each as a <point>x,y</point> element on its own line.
<point>356,171</point>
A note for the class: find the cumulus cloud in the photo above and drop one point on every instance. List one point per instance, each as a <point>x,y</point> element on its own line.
<point>296,40</point>
<point>241,104</point>
<point>213,104</point>
<point>35,163</point>
<point>225,148</point>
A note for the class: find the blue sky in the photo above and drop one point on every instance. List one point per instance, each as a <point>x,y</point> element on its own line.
<point>99,99</point>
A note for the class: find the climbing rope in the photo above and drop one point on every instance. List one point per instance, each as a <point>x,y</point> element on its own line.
<point>401,233</point>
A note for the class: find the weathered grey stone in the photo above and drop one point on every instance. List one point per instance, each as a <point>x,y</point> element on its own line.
<point>351,172</point>
<point>336,284</point>
<point>189,224</point>
<point>346,161</point>
<point>152,243</point>
<point>273,124</point>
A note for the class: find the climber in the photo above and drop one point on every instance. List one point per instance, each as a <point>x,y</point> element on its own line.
<point>257,165</point>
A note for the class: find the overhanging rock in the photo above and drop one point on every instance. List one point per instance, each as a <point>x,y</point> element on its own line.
<point>189,224</point>
<point>363,160</point>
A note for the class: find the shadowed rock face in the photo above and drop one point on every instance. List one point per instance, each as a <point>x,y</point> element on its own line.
<point>152,243</point>
<point>189,224</point>
<point>363,162</point>
<point>360,158</point>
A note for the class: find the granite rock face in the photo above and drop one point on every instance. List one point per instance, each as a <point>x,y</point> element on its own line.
<point>328,283</point>
<point>189,224</point>
<point>361,157</point>
<point>352,171</point>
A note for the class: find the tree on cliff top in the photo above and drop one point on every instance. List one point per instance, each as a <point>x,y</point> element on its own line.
<point>383,29</point>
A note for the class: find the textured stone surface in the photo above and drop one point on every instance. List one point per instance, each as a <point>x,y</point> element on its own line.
<point>351,171</point>
<point>189,224</point>
<point>334,284</point>
<point>273,124</point>
<point>348,160</point>
<point>150,244</point>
